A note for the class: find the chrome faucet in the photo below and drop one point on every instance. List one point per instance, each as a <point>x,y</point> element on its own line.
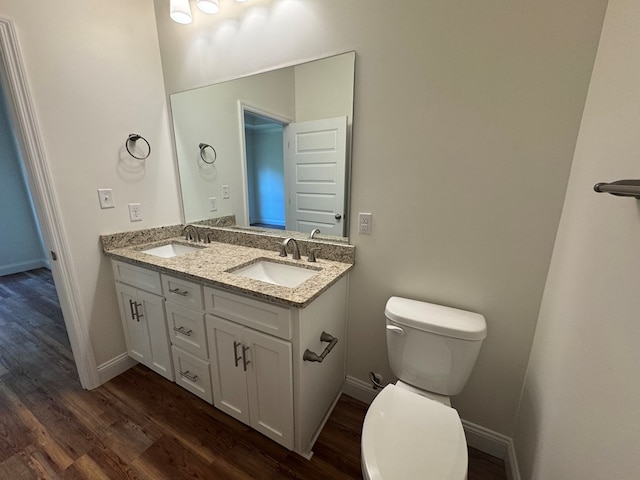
<point>296,251</point>
<point>313,254</point>
<point>313,232</point>
<point>191,233</point>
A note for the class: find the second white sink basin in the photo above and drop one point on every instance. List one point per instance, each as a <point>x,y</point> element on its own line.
<point>283,274</point>
<point>171,250</point>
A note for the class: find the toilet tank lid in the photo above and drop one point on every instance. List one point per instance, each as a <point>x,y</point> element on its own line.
<point>438,319</point>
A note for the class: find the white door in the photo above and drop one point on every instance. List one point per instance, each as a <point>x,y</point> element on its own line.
<point>228,374</point>
<point>270,386</point>
<point>315,175</point>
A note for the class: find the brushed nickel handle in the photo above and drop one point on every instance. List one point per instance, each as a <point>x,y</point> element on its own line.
<point>193,378</point>
<point>133,314</point>
<point>236,358</point>
<point>245,362</point>
<point>138,314</point>
<point>310,356</point>
<point>183,331</point>
<point>177,291</point>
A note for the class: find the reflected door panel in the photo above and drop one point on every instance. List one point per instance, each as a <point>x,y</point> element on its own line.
<point>315,172</point>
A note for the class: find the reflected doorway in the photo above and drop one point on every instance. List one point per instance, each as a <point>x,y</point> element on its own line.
<point>264,157</point>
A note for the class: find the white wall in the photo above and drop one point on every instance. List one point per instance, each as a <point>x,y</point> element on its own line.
<point>21,246</point>
<point>465,122</point>
<point>95,76</point>
<point>579,416</point>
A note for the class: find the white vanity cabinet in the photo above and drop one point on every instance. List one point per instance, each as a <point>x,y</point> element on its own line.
<point>143,317</point>
<point>253,378</point>
<point>185,321</point>
<point>257,367</point>
<point>245,355</point>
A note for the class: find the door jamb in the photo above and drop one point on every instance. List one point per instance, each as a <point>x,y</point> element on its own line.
<point>15,83</point>
<point>242,107</point>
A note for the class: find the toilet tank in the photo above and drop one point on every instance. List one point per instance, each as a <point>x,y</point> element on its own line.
<point>432,347</point>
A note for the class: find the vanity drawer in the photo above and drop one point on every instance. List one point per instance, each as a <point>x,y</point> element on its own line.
<point>139,277</point>
<point>186,328</point>
<point>182,291</point>
<point>192,373</point>
<point>262,316</point>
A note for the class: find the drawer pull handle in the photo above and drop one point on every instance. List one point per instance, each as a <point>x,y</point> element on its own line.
<point>245,362</point>
<point>310,356</point>
<point>193,378</point>
<point>236,358</point>
<point>177,291</point>
<point>183,331</point>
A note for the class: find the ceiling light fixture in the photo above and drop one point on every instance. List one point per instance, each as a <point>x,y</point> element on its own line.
<point>208,6</point>
<point>180,11</point>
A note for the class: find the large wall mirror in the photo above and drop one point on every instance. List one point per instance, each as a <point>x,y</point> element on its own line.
<point>273,148</point>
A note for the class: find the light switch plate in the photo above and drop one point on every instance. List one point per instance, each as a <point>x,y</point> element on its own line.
<point>106,198</point>
<point>225,191</point>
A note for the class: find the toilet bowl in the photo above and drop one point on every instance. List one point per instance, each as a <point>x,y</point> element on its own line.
<point>410,430</point>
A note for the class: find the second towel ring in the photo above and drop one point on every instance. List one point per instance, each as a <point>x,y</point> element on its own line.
<point>134,137</point>
<point>203,146</point>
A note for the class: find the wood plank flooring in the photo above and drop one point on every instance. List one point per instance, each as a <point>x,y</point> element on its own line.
<point>138,426</point>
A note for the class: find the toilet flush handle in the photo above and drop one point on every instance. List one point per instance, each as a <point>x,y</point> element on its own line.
<point>394,329</point>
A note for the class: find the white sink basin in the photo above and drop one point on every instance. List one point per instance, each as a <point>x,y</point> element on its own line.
<point>171,250</point>
<point>282,274</point>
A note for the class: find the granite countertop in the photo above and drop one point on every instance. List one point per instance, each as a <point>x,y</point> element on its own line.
<point>211,265</point>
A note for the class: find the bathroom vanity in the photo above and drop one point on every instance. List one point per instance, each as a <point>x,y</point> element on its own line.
<point>235,341</point>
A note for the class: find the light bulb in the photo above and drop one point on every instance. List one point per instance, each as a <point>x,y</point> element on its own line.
<point>208,6</point>
<point>180,11</point>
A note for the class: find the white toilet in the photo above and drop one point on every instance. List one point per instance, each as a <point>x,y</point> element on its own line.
<point>410,430</point>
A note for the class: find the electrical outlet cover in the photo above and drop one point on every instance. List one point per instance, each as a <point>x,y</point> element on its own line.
<point>135,212</point>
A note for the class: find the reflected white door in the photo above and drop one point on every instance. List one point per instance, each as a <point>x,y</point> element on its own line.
<point>315,175</point>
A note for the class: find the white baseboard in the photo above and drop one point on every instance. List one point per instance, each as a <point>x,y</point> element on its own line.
<point>478,437</point>
<point>115,367</point>
<point>356,388</point>
<point>18,267</point>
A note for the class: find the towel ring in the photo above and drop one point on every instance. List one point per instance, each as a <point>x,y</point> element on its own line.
<point>134,137</point>
<point>203,146</point>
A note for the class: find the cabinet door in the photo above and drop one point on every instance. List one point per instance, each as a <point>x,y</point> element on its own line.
<point>152,307</point>
<point>135,329</point>
<point>270,386</point>
<point>227,368</point>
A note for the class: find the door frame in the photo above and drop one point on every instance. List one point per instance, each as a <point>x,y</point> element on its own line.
<point>15,84</point>
<point>247,107</point>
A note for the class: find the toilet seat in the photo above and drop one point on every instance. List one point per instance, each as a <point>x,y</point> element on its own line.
<point>408,436</point>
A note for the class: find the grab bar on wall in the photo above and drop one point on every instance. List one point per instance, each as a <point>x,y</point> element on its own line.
<point>622,188</point>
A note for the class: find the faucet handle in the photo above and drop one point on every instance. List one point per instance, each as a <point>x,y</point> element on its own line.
<point>313,253</point>
<point>283,249</point>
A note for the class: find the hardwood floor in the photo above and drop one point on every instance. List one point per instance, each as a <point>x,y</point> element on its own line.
<point>138,425</point>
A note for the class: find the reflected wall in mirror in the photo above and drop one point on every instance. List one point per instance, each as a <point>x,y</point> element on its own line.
<point>281,143</point>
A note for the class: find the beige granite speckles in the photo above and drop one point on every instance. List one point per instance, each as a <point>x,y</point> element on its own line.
<point>126,239</point>
<point>245,236</point>
<point>211,266</point>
